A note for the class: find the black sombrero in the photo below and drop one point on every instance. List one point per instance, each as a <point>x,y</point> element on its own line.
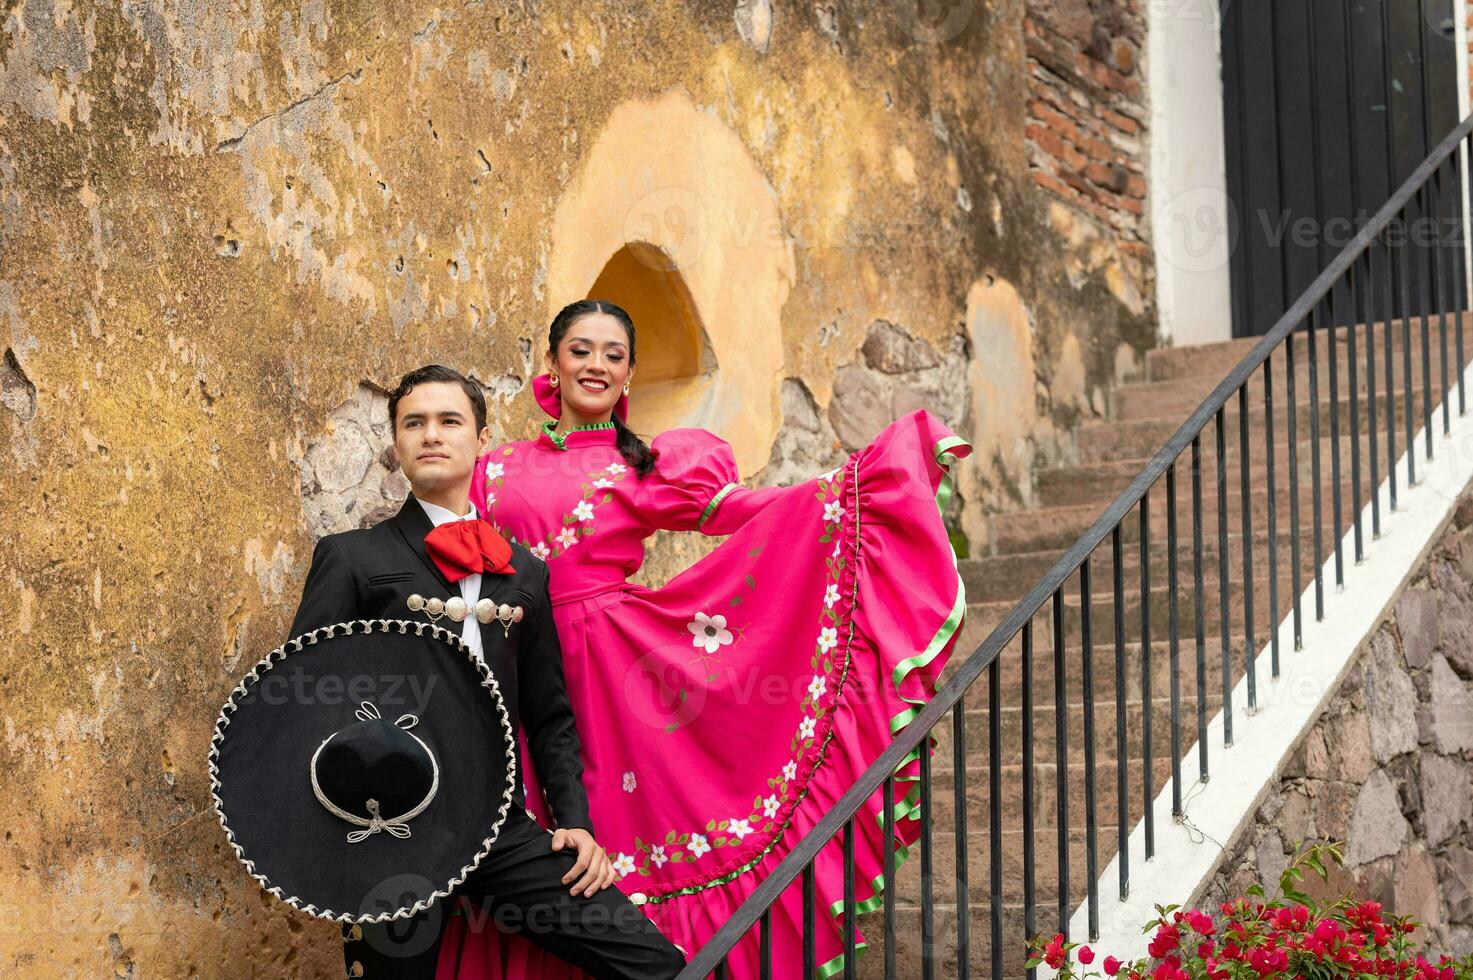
<point>340,811</point>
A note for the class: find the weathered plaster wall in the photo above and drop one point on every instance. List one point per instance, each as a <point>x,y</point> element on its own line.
<point>1388,767</point>
<point>224,228</point>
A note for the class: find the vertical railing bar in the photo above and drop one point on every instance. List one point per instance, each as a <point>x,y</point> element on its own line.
<point>1198,611</point>
<point>928,873</point>
<point>1371,397</point>
<point>1352,366</point>
<point>1269,447</point>
<point>959,790</point>
<point>1292,410</point>
<point>1460,283</point>
<point>851,907</point>
<point>1332,354</point>
<point>1148,814</point>
<point>1245,491</point>
<point>1030,923</point>
<point>887,802</point>
<point>1173,632</point>
<point>1316,484</point>
<point>1122,765</point>
<point>1388,318</point>
<point>765,948</point>
<point>1406,352</point>
<point>1061,758</point>
<point>1087,682</point>
<point>1439,305</point>
<point>994,809</point>
<point>1424,328</point>
<point>1355,307</point>
<point>810,967</point>
<point>1223,580</point>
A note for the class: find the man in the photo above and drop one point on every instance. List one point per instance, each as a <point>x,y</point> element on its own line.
<point>555,885</point>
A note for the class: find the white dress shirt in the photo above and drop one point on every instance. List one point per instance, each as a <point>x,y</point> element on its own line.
<point>470,586</point>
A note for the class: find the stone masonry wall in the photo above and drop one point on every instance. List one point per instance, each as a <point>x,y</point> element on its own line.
<point>1388,767</point>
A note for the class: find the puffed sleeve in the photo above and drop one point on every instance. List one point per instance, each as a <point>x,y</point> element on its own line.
<point>696,487</point>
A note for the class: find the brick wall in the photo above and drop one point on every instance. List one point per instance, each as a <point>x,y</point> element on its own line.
<point>1388,767</point>
<point>1087,110</point>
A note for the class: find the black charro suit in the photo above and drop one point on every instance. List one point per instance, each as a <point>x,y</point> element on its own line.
<point>370,574</point>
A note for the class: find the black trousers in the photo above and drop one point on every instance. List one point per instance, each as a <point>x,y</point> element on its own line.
<point>518,888</point>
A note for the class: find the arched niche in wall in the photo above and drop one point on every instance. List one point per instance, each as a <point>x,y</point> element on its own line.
<point>685,233</point>
<point>676,364</point>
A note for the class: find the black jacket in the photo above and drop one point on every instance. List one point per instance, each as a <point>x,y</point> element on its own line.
<point>370,574</point>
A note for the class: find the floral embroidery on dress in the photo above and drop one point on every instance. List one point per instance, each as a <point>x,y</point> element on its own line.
<point>624,864</point>
<point>709,632</point>
<point>579,522</point>
<point>630,782</point>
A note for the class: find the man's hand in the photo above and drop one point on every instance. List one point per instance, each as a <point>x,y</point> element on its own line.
<point>594,871</point>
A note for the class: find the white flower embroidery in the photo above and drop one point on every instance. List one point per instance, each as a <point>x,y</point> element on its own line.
<point>709,632</point>
<point>540,550</point>
<point>584,511</point>
<point>831,595</point>
<point>805,730</point>
<point>495,471</point>
<point>490,499</point>
<point>816,687</point>
<point>567,537</point>
<point>739,828</point>
<point>836,549</point>
<point>629,782</point>
<point>833,511</point>
<point>828,638</point>
<point>657,856</point>
<point>624,864</point>
<point>603,483</point>
<point>790,770</point>
<point>698,845</point>
<point>770,806</point>
<point>615,468</point>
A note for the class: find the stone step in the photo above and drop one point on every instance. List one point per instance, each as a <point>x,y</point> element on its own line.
<point>1059,527</point>
<point>984,617</point>
<point>1142,438</point>
<point>1218,360</point>
<point>1100,481</point>
<point>1045,732</point>
<point>1010,670</point>
<point>998,577</point>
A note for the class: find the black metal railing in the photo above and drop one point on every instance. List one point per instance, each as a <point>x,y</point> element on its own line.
<point>1365,288</point>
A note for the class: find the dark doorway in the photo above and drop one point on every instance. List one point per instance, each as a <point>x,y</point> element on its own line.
<point>1329,105</point>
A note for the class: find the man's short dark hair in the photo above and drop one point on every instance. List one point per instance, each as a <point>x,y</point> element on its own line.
<point>438,373</point>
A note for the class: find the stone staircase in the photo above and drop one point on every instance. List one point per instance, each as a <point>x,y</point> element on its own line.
<point>1027,543</point>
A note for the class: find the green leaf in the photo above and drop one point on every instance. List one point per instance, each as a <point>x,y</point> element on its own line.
<point>638,844</point>
<point>682,695</point>
<point>720,842</point>
<point>671,727</point>
<point>825,539</point>
<point>751,582</point>
<point>683,839</point>
<point>670,837</point>
<point>678,856</point>
<point>710,825</point>
<point>608,497</point>
<point>736,600</point>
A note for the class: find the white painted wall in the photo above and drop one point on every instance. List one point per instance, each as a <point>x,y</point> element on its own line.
<point>1188,170</point>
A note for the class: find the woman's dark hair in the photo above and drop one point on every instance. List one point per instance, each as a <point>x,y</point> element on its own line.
<point>630,446</point>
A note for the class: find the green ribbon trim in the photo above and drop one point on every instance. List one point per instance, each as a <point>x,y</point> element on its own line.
<point>721,495</point>
<point>559,439</point>
<point>909,807</point>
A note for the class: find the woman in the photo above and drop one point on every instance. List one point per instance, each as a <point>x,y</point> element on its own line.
<point>722,715</point>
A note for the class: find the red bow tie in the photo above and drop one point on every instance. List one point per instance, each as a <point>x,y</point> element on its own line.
<point>461,548</point>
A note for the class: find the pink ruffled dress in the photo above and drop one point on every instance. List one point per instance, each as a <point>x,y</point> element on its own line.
<point>723,715</point>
